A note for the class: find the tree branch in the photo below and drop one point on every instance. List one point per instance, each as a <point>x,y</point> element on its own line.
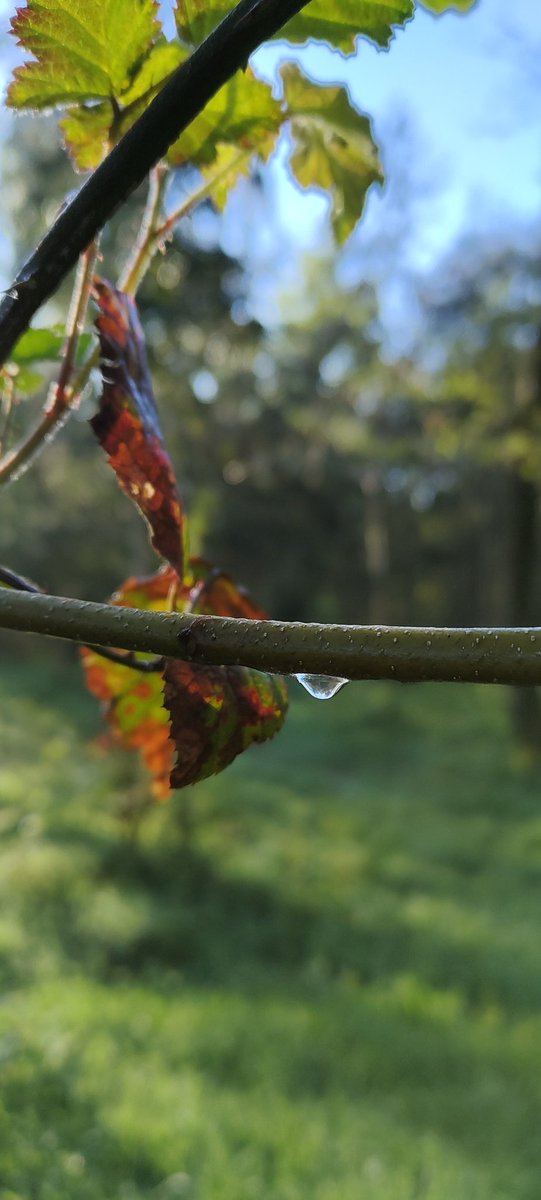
<point>409,655</point>
<point>182,98</point>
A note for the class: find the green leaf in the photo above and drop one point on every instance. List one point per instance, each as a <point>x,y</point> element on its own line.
<point>442,6</point>
<point>40,345</point>
<point>84,49</point>
<point>89,129</point>
<point>338,22</point>
<point>242,114</point>
<point>102,60</point>
<point>333,146</point>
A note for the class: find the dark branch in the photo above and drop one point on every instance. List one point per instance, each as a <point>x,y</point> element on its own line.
<point>182,98</point>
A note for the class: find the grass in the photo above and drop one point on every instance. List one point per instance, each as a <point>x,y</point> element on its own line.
<point>329,991</point>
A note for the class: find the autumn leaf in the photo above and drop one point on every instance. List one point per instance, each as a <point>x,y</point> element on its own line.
<point>211,714</point>
<point>127,424</point>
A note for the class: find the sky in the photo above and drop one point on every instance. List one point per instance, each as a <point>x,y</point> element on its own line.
<point>468,91</point>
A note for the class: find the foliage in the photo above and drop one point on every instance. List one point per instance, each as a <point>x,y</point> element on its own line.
<point>101,79</point>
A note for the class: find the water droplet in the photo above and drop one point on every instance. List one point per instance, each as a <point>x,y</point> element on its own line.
<point>322,687</point>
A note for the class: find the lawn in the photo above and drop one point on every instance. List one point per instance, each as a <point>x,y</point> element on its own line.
<point>321,981</point>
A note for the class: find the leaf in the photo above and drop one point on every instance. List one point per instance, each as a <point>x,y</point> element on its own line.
<point>39,345</point>
<point>441,6</point>
<point>83,49</point>
<point>215,712</point>
<point>337,22</point>
<point>242,114</point>
<point>127,424</point>
<point>102,60</point>
<point>333,146</point>
<point>90,128</point>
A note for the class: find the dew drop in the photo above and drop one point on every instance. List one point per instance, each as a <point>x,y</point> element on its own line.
<point>322,687</point>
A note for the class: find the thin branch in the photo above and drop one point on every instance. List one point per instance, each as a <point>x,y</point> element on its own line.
<point>63,394</point>
<point>145,245</point>
<point>153,234</point>
<point>124,658</point>
<point>405,654</point>
<point>182,98</point>
<point>7,407</point>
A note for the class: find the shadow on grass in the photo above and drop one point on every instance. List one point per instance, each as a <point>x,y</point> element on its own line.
<point>57,1137</point>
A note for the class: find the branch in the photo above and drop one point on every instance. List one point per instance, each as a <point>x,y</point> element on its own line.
<point>62,395</point>
<point>409,655</point>
<point>180,101</point>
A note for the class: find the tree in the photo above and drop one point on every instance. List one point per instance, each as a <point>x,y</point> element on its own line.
<point>121,98</point>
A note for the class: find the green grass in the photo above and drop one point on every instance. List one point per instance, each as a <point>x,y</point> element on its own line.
<point>329,992</point>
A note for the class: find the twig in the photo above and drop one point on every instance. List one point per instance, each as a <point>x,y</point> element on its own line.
<point>124,658</point>
<point>406,654</point>
<point>152,234</point>
<point>145,245</point>
<point>182,98</point>
<point>8,404</point>
<point>63,394</point>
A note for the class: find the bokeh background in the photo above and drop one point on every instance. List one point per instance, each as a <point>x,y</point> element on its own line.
<point>318,976</point>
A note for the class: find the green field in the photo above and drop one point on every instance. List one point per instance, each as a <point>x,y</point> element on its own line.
<point>325,984</point>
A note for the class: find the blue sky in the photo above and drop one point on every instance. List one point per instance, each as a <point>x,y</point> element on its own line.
<point>469,89</point>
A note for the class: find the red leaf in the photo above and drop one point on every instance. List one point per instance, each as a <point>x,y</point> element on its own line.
<point>215,712</point>
<point>127,424</point>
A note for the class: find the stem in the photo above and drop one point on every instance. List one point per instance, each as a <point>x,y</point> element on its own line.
<point>61,397</point>
<point>125,658</point>
<point>179,102</point>
<point>152,235</point>
<point>202,193</point>
<point>8,404</point>
<point>145,246</point>
<point>406,654</point>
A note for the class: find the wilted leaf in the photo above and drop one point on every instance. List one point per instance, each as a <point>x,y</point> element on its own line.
<point>338,22</point>
<point>127,424</point>
<point>333,146</point>
<point>215,712</point>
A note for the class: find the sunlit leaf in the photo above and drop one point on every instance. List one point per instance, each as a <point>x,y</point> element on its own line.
<point>39,345</point>
<point>333,146</point>
<point>338,22</point>
<point>441,6</point>
<point>83,49</point>
<point>212,714</point>
<point>127,424</point>
<point>242,114</point>
<point>101,60</point>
